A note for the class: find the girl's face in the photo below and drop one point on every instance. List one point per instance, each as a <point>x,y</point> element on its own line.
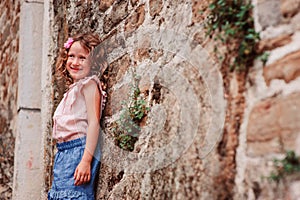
<point>78,64</point>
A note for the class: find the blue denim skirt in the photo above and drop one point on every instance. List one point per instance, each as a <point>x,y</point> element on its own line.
<point>66,160</point>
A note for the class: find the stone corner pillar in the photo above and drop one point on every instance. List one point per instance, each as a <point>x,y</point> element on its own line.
<point>28,179</point>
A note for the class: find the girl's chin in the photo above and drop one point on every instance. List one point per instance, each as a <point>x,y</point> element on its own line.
<point>77,77</point>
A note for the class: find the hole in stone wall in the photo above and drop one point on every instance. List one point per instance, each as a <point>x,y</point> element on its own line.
<point>115,180</point>
<point>256,189</point>
<point>156,94</point>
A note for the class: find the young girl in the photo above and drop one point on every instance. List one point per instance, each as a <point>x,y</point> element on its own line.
<point>76,120</point>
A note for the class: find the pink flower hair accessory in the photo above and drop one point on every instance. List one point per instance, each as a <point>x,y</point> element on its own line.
<point>69,42</point>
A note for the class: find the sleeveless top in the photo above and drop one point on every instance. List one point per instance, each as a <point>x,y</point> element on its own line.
<point>70,117</point>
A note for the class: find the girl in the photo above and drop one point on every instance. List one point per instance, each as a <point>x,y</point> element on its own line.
<point>76,120</point>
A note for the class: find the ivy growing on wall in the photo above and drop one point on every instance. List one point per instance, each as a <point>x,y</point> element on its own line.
<point>134,109</point>
<point>290,164</point>
<point>231,23</point>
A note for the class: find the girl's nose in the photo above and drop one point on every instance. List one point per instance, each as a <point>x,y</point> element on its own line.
<point>76,61</point>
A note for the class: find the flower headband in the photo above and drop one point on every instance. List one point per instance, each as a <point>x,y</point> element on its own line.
<point>69,42</point>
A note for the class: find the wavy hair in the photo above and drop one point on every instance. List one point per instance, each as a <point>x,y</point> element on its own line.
<point>89,42</point>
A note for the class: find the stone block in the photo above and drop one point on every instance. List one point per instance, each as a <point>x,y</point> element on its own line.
<point>6,33</point>
<point>264,114</point>
<point>118,69</point>
<point>15,26</point>
<point>30,57</point>
<point>111,43</point>
<point>295,22</point>
<point>268,13</point>
<point>118,96</point>
<point>272,43</point>
<point>3,17</point>
<point>134,2</point>
<point>105,4</point>
<point>143,51</point>
<point>135,20</point>
<point>155,7</point>
<point>276,31</point>
<point>294,191</point>
<point>271,146</point>
<point>289,8</point>
<point>28,171</point>
<point>117,14</point>
<point>286,68</point>
<point>274,125</point>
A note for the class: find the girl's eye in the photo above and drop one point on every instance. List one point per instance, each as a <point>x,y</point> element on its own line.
<point>71,56</point>
<point>82,57</point>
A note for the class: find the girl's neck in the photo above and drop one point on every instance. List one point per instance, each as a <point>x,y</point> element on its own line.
<point>75,81</point>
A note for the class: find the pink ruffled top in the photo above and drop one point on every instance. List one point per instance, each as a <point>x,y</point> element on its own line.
<point>70,117</point>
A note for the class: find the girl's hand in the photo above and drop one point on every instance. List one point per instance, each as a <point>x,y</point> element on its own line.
<point>82,173</point>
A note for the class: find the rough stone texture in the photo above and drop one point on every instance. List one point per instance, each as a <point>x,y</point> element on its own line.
<point>134,21</point>
<point>200,11</point>
<point>175,149</point>
<point>272,43</point>
<point>276,17</point>
<point>268,13</point>
<point>104,5</point>
<point>286,68</point>
<point>289,8</point>
<point>181,152</point>
<point>116,72</point>
<point>155,7</point>
<point>134,2</point>
<point>6,159</point>
<point>118,12</point>
<point>270,125</point>
<point>281,116</point>
<point>9,48</point>
<point>234,86</point>
<point>294,191</point>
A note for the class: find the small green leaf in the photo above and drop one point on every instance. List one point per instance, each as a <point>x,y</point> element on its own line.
<point>212,6</point>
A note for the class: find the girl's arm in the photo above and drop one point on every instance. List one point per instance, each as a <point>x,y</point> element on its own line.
<point>92,98</point>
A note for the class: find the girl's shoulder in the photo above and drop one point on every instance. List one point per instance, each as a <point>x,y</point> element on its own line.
<point>84,81</point>
<point>88,80</point>
<point>95,78</point>
<point>76,89</point>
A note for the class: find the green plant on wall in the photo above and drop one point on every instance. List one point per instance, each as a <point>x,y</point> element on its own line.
<point>134,109</point>
<point>264,57</point>
<point>231,23</point>
<point>289,165</point>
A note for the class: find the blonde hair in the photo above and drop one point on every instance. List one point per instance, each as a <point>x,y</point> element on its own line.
<point>91,43</point>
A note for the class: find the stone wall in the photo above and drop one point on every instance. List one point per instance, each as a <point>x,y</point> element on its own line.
<point>192,146</point>
<point>160,41</point>
<point>210,133</point>
<point>28,144</point>
<point>9,48</point>
<point>271,122</point>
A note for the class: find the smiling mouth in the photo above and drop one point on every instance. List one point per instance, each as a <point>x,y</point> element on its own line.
<point>74,68</point>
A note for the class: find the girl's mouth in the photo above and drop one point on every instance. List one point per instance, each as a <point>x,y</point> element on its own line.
<point>75,68</point>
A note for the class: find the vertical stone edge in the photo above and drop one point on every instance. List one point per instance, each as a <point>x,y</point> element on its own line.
<point>241,157</point>
<point>27,169</point>
<point>47,101</point>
